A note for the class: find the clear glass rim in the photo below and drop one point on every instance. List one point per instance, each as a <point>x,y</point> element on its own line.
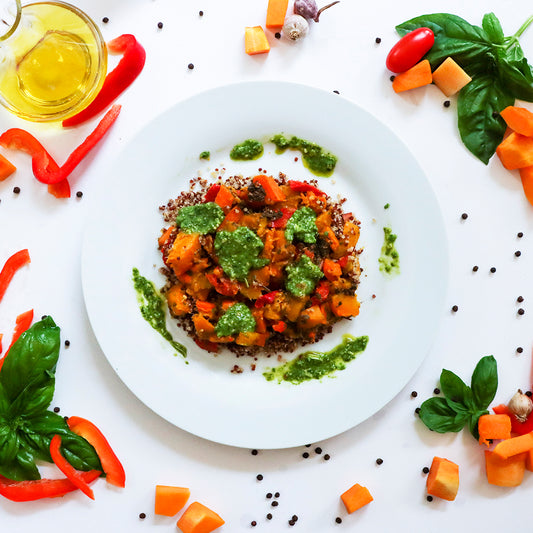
<point>13,26</point>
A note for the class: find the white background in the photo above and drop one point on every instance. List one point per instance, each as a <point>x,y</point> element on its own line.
<point>340,54</point>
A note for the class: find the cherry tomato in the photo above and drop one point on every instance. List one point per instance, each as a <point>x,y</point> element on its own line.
<point>410,49</point>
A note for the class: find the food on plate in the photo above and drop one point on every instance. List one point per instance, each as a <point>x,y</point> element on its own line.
<point>443,479</point>
<point>198,518</point>
<point>169,500</point>
<point>449,77</point>
<point>356,497</point>
<point>6,168</point>
<point>259,264</point>
<point>493,427</point>
<point>389,260</point>
<point>248,149</point>
<point>255,41</point>
<point>505,472</point>
<point>409,50</point>
<point>276,11</point>
<point>417,76</point>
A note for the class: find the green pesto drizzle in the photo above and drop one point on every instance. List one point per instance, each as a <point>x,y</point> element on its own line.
<point>315,158</point>
<point>152,306</point>
<point>200,218</point>
<point>247,150</point>
<point>237,319</point>
<point>206,154</point>
<point>389,261</point>
<point>315,365</point>
<point>302,225</point>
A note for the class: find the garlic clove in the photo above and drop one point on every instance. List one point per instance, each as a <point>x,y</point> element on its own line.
<point>295,27</point>
<point>520,405</point>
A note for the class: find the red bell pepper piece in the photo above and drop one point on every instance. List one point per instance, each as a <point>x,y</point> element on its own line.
<point>111,465</point>
<point>302,186</point>
<point>279,326</point>
<point>265,299</point>
<point>72,474</point>
<point>223,285</point>
<point>343,261</point>
<point>212,192</point>
<point>23,322</point>
<point>27,491</point>
<point>44,167</point>
<point>118,80</point>
<point>281,222</point>
<point>16,261</point>
<point>520,428</point>
<point>207,345</point>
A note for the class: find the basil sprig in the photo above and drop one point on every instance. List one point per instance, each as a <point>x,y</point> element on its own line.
<point>461,404</point>
<point>500,73</point>
<point>27,383</point>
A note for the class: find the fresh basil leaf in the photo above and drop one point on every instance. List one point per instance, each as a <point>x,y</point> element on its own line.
<point>455,389</point>
<point>454,37</point>
<point>9,443</point>
<point>473,423</point>
<point>439,416</point>
<point>493,28</point>
<point>515,74</point>
<point>485,381</point>
<point>33,399</point>
<point>22,467</point>
<point>31,359</point>
<point>76,450</point>
<point>478,106</point>
<point>4,402</point>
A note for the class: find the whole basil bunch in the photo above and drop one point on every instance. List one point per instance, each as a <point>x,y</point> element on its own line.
<point>462,404</point>
<point>27,382</point>
<point>500,73</point>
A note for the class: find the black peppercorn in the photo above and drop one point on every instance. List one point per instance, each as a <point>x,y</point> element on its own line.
<point>378,40</point>
<point>455,309</point>
<point>493,269</point>
<point>414,394</point>
<point>327,457</point>
<point>305,455</point>
<point>201,13</point>
<point>379,461</point>
<point>475,268</point>
<point>269,516</point>
<point>277,35</point>
<point>520,299</point>
<point>521,311</point>
<point>16,190</point>
<point>56,409</point>
<point>105,20</point>
<point>446,103</point>
<point>190,66</point>
<point>276,495</point>
<point>318,450</point>
<point>518,253</point>
<point>160,25</point>
<point>259,477</point>
<point>392,78</point>
<point>417,410</point>
<point>529,393</point>
<point>79,194</point>
<point>436,390</point>
<point>425,470</point>
<point>274,503</point>
<point>67,343</point>
<point>294,518</point>
<point>464,216</point>
<point>520,349</point>
<point>429,498</point>
<point>253,523</point>
<point>338,520</point>
<point>519,234</point>
<point>269,495</point>
<point>142,516</point>
<point>254,452</point>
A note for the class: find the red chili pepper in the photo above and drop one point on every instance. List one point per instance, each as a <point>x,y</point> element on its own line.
<point>44,167</point>
<point>281,222</point>
<point>72,474</point>
<point>266,299</point>
<point>22,323</point>
<point>16,261</point>
<point>212,192</point>
<point>27,491</point>
<point>410,49</point>
<point>520,428</point>
<point>118,80</point>
<point>302,186</point>
<point>111,465</point>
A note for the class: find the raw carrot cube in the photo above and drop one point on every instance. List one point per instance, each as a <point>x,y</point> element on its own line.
<point>519,119</point>
<point>505,472</point>
<point>169,500</point>
<point>276,11</point>
<point>450,78</point>
<point>416,76</point>
<point>255,40</point>
<point>356,497</point>
<point>199,519</point>
<point>443,479</point>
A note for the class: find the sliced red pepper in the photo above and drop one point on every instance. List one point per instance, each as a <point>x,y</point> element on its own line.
<point>118,80</point>
<point>16,261</point>
<point>22,323</point>
<point>520,428</point>
<point>37,489</point>
<point>45,169</point>
<point>343,261</point>
<point>207,345</point>
<point>265,299</point>
<point>279,326</point>
<point>60,190</point>
<point>302,186</point>
<point>223,285</point>
<point>111,465</point>
<point>72,474</point>
<point>212,192</point>
<point>281,222</point>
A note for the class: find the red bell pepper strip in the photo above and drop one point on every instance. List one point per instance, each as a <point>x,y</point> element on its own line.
<point>117,81</point>
<point>265,299</point>
<point>520,428</point>
<point>60,190</point>
<point>281,222</point>
<point>72,474</point>
<point>23,322</point>
<point>302,186</point>
<point>27,491</point>
<point>212,192</point>
<point>44,167</point>
<point>111,465</point>
<point>16,261</point>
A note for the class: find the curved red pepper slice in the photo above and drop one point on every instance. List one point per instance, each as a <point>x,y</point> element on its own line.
<point>212,192</point>
<point>113,468</point>
<point>23,322</point>
<point>265,299</point>
<point>16,261</point>
<point>301,186</point>
<point>281,222</point>
<point>27,491</point>
<point>118,80</point>
<point>72,474</point>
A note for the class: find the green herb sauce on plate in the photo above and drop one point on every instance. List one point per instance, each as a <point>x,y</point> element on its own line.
<point>237,319</point>
<point>200,218</point>
<point>247,150</point>
<point>389,261</point>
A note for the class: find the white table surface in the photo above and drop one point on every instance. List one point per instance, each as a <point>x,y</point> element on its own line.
<point>340,54</point>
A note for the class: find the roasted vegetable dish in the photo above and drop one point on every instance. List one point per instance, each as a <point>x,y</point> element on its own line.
<point>259,264</point>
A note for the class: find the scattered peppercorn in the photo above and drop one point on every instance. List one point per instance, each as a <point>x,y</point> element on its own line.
<point>160,25</point>
<point>417,410</point>
<point>67,343</point>
<point>520,349</point>
<point>447,103</point>
<point>201,13</point>
<point>520,299</point>
<point>519,234</point>
<point>318,450</point>
<point>142,516</point>
<point>254,452</point>
<point>253,523</point>
<point>269,516</point>
<point>276,495</point>
<point>521,311</point>
<point>338,520</point>
<point>414,394</point>
<point>425,470</point>
<point>378,40</point>
<point>436,390</point>
<point>269,495</point>
<point>464,216</point>
<point>455,309</point>
<point>56,409</point>
<point>105,20</point>
<point>429,498</point>
<point>518,253</point>
<point>529,393</point>
<point>493,269</point>
<point>308,446</point>
<point>336,92</point>
<point>277,35</point>
<point>379,461</point>
<point>305,455</point>
<point>79,194</point>
<point>16,190</point>
<point>190,66</point>
<point>475,268</point>
<point>392,78</point>
<point>294,517</point>
<point>327,457</point>
<point>259,477</point>
<point>274,503</point>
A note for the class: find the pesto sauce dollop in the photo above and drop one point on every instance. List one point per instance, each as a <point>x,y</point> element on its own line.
<point>200,218</point>
<point>315,158</point>
<point>238,252</point>
<point>152,306</point>
<point>315,365</point>
<point>302,225</point>
<point>302,276</point>
<point>206,154</point>
<point>237,319</point>
<point>247,150</point>
<point>389,261</point>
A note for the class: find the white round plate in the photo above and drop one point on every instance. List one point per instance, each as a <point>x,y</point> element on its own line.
<point>400,314</point>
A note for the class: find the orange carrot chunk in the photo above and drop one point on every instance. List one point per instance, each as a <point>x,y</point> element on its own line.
<point>514,446</point>
<point>273,191</point>
<point>415,77</point>
<point>255,41</point>
<point>516,151</point>
<point>526,176</point>
<point>493,427</point>
<point>276,11</point>
<point>443,479</point>
<point>505,472</point>
<point>169,500</point>
<point>356,497</point>
<point>199,519</point>
<point>450,78</point>
<point>519,119</point>
<point>6,168</point>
